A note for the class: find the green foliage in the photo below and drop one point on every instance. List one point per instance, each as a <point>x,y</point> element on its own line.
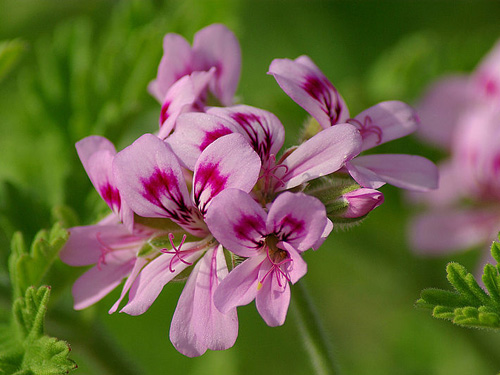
<point>25,350</point>
<point>469,305</point>
<point>10,52</point>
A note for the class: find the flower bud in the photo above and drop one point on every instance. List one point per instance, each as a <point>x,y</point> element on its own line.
<point>361,201</point>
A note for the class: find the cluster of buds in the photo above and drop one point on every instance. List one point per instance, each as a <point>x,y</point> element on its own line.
<point>211,198</point>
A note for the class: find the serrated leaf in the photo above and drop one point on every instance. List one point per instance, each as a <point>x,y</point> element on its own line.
<point>466,285</point>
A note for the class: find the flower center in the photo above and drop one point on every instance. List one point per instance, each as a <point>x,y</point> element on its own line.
<point>176,250</point>
<point>280,262</point>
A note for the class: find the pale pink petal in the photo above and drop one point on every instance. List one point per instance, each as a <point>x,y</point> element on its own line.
<point>441,107</point>
<point>150,282</point>
<point>273,299</point>
<point>405,171</point>
<point>197,325</point>
<point>263,130</point>
<point>228,162</point>
<point>151,180</point>
<point>237,222</point>
<point>97,282</point>
<point>384,122</point>
<point>185,95</point>
<point>486,78</point>
<point>86,244</point>
<point>297,219</point>
<point>304,82</point>
<point>138,265</point>
<point>441,232</point>
<point>326,232</point>
<point>175,63</point>
<point>297,267</point>
<point>194,132</point>
<point>322,154</point>
<point>240,286</point>
<point>215,45</point>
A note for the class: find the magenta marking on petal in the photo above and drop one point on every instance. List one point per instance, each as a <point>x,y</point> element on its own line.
<point>164,115</point>
<point>367,127</point>
<point>176,251</point>
<point>208,177</point>
<point>245,228</point>
<point>321,90</point>
<point>214,135</point>
<point>289,227</point>
<point>111,196</point>
<point>250,122</point>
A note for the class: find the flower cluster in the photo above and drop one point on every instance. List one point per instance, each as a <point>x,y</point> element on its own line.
<point>461,114</point>
<point>211,197</point>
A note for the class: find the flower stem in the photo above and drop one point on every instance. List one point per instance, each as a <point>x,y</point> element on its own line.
<point>315,341</point>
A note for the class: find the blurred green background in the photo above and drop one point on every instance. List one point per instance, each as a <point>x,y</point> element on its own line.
<point>81,68</point>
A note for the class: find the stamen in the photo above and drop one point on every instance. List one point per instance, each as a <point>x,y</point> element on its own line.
<point>367,127</point>
<point>105,249</point>
<point>176,251</point>
<point>276,267</point>
<point>269,173</point>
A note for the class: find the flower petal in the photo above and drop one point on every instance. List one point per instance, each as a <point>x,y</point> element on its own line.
<point>151,181</point>
<point>298,267</point>
<point>215,45</point>
<point>263,130</point>
<point>175,63</point>
<point>197,325</point>
<point>240,286</point>
<point>229,162</point>
<point>194,132</point>
<point>148,285</point>
<point>441,232</point>
<point>237,222</point>
<point>297,219</point>
<point>384,122</point>
<point>405,171</point>
<point>304,82</point>
<point>486,78</point>
<point>138,265</point>
<point>322,154</point>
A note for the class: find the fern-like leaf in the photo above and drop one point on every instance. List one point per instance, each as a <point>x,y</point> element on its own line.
<point>469,305</point>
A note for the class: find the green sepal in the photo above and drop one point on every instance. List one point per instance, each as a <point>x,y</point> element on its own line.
<point>469,305</point>
<point>146,250</point>
<point>310,128</point>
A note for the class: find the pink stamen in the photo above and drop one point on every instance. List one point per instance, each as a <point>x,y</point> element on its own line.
<point>176,251</point>
<point>105,249</point>
<point>269,173</point>
<point>277,267</point>
<point>367,127</point>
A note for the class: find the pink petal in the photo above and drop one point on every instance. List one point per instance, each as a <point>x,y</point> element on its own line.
<point>486,78</point>
<point>298,267</point>
<point>151,180</point>
<point>175,63</point>
<point>405,171</point>
<point>138,265</point>
<point>441,107</point>
<point>87,244</point>
<point>304,82</point>
<point>229,162</point>
<point>384,122</point>
<point>322,154</point>
<point>237,222</point>
<point>150,282</point>
<point>215,45</point>
<point>184,96</point>
<point>441,232</point>
<point>194,132</point>
<point>272,300</point>
<point>240,286</point>
<point>197,325</point>
<point>326,232</point>
<point>297,219</point>
<point>100,280</point>
<point>262,129</point>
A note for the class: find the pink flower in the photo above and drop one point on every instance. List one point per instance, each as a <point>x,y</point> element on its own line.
<point>213,47</point>
<point>304,82</point>
<point>272,243</point>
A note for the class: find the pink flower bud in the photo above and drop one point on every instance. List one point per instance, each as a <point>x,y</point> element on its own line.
<point>361,202</point>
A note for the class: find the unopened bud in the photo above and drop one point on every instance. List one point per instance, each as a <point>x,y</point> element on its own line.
<point>361,201</point>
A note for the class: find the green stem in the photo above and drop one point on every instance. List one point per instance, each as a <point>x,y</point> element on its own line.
<point>315,341</point>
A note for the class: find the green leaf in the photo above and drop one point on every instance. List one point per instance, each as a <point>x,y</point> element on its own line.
<point>469,305</point>
<point>28,268</point>
<point>29,350</point>
<point>10,53</point>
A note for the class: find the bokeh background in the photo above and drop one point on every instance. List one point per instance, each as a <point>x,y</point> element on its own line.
<point>82,68</point>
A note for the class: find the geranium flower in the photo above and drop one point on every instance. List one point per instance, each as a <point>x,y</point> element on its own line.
<point>304,82</point>
<point>272,243</point>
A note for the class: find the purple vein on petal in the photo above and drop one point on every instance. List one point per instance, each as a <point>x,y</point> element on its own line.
<point>321,90</point>
<point>249,123</point>
<point>210,179</point>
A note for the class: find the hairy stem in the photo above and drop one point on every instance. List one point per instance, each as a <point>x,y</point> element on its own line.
<point>315,341</point>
